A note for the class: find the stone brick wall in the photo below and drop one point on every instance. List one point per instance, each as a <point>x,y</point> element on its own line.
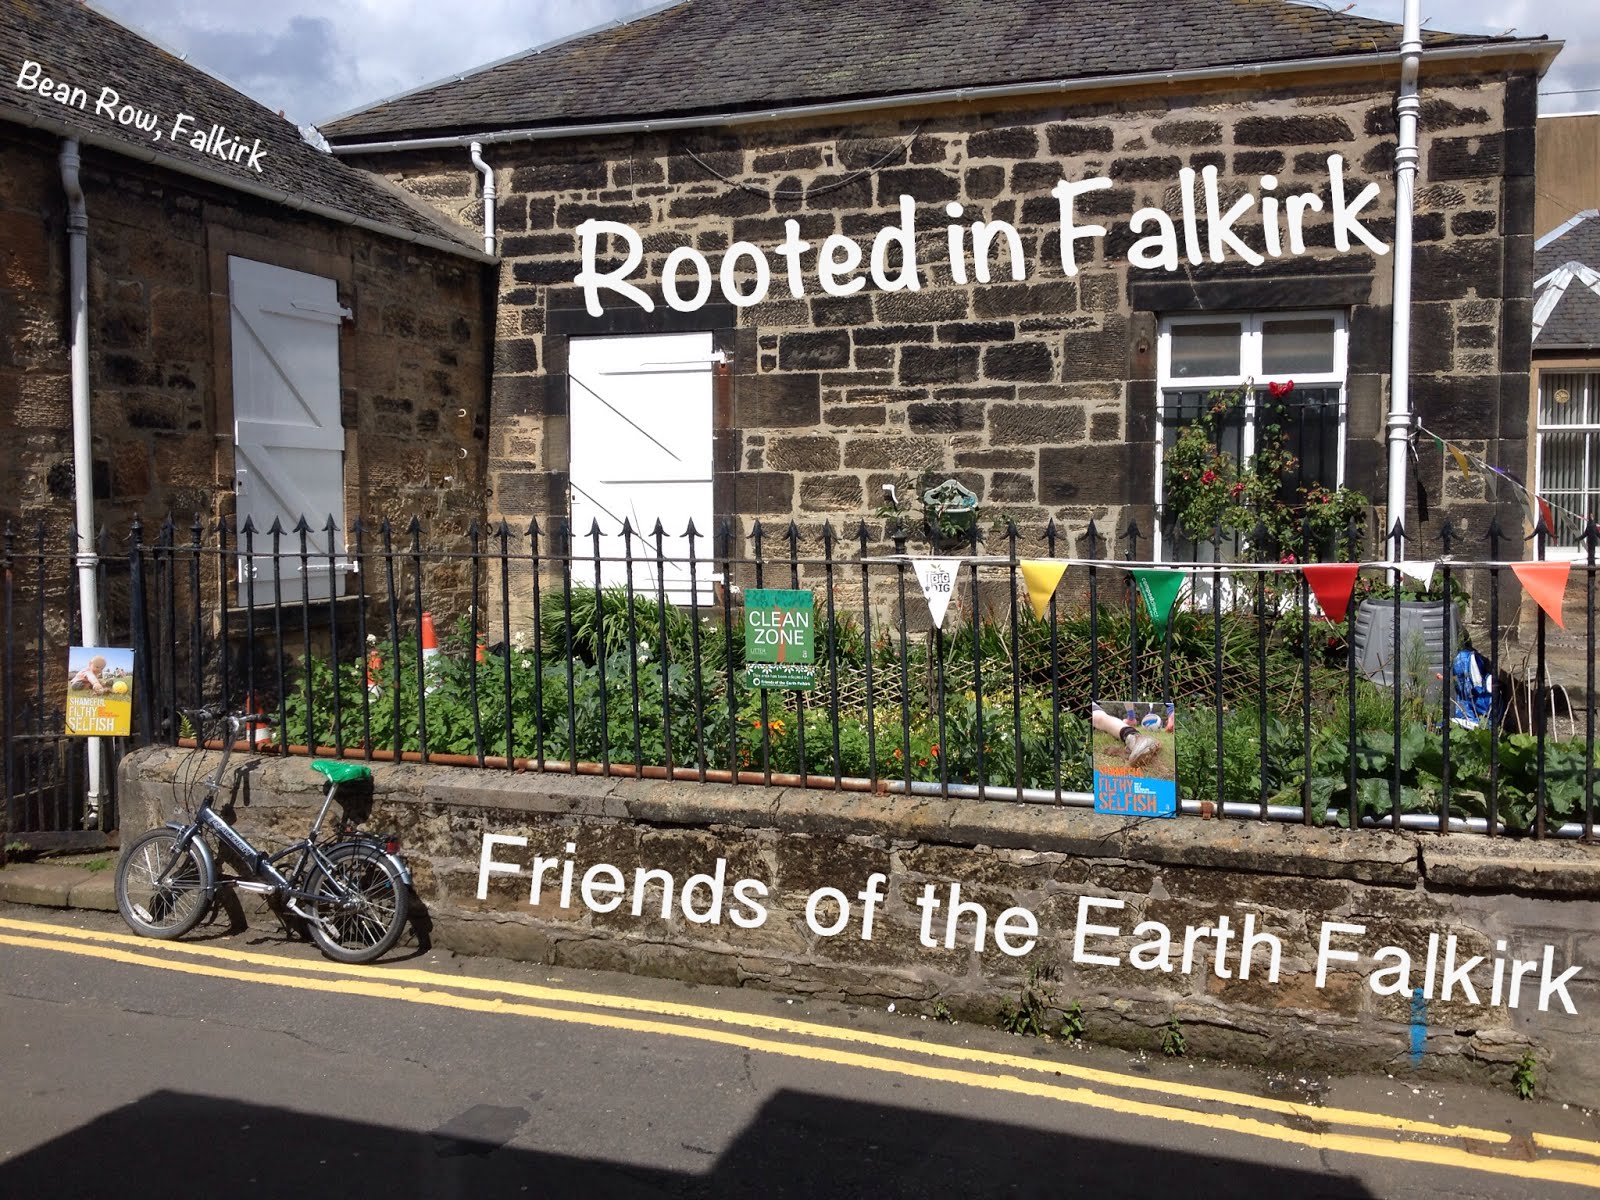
<point>1040,395</point>
<point>1494,898</point>
<point>412,360</point>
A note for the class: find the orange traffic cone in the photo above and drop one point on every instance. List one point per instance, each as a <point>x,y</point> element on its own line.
<point>430,647</point>
<point>256,734</point>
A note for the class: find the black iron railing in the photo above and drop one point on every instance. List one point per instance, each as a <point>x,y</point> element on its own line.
<point>612,657</point>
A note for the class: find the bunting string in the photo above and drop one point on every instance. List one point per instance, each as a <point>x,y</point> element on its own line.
<point>1536,504</point>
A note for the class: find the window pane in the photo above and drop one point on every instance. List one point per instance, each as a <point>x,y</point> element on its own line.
<point>1205,351</point>
<point>1308,421</point>
<point>1568,398</point>
<point>1303,347</point>
<point>1563,471</point>
<point>1179,409</point>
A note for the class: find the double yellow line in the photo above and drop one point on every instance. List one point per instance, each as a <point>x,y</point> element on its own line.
<point>964,1066</point>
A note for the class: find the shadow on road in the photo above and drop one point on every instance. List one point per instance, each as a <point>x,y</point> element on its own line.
<point>799,1145</point>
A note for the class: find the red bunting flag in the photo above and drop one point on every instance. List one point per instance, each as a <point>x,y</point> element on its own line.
<point>1546,582</point>
<point>1331,584</point>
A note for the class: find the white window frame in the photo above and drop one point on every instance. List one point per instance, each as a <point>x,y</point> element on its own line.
<point>1590,370</point>
<point>1250,344</point>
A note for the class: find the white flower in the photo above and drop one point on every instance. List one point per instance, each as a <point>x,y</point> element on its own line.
<point>526,663</point>
<point>372,639</point>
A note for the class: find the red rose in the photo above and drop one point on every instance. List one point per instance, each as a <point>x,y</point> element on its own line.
<point>1280,390</point>
<point>1209,477</point>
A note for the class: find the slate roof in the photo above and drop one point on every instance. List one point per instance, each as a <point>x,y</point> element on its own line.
<point>702,56</point>
<point>80,46</point>
<point>1566,294</point>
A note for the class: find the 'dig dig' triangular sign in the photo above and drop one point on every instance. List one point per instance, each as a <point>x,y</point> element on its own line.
<point>938,579</point>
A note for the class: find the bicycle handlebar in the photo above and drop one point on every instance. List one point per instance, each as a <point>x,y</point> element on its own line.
<point>201,715</point>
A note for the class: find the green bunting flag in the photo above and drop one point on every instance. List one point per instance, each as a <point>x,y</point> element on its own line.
<point>1159,589</point>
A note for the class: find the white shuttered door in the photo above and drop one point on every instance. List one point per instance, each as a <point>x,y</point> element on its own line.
<point>641,450</point>
<point>288,442</point>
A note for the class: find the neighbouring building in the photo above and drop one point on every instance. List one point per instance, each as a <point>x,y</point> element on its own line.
<point>1565,392</point>
<point>1566,377</point>
<point>766,260</point>
<point>268,329</point>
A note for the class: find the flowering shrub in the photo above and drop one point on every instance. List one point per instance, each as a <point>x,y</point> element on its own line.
<point>1207,489</point>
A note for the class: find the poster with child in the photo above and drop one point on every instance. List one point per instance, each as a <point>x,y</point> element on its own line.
<point>1135,759</point>
<point>99,691</point>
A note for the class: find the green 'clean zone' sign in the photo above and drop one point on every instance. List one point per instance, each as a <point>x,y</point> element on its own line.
<point>779,647</point>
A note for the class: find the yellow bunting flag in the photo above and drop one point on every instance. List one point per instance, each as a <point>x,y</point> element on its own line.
<point>1546,582</point>
<point>1041,576</point>
<point>1461,460</point>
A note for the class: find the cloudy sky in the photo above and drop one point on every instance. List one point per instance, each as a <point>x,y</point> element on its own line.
<point>315,59</point>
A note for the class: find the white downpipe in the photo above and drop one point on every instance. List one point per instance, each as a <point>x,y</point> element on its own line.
<point>488,196</point>
<point>1405,162</point>
<point>82,433</point>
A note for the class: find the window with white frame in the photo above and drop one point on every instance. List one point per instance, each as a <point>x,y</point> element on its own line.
<point>1568,452</point>
<point>1201,356</point>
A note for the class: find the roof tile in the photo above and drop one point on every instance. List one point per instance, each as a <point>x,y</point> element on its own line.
<point>85,49</point>
<point>707,56</point>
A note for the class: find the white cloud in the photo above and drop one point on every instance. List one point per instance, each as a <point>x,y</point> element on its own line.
<point>315,59</point>
<point>1573,83</point>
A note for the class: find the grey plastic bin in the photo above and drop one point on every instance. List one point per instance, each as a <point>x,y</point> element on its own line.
<point>1421,642</point>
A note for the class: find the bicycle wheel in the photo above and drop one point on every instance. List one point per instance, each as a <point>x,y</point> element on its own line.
<point>361,903</point>
<point>157,896</point>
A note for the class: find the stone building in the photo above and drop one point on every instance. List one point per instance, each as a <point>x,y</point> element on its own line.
<point>851,218</point>
<point>261,319</point>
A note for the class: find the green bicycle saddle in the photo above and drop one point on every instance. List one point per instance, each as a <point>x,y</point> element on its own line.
<point>341,772</point>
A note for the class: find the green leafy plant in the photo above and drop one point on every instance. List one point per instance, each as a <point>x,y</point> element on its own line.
<point>941,1012</point>
<point>1525,1077</point>
<point>1028,1017</point>
<point>1173,1043</point>
<point>1072,1025</point>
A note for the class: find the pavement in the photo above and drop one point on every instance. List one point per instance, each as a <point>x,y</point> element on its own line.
<point>80,881</point>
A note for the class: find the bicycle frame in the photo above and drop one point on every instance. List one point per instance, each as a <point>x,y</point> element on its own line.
<point>267,878</point>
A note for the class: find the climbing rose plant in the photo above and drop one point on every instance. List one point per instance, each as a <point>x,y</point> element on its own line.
<point>1206,488</point>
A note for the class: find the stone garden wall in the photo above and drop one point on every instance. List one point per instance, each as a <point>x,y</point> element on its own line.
<point>1044,877</point>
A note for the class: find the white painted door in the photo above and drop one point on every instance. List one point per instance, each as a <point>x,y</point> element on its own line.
<point>288,442</point>
<point>641,450</point>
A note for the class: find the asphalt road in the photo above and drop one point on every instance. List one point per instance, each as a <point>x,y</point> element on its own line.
<point>248,1065</point>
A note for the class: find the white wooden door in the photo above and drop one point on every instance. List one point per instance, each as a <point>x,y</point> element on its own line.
<point>640,422</point>
<point>288,442</point>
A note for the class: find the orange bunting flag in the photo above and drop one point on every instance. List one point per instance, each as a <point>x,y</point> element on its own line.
<point>1546,582</point>
<point>1331,584</point>
<point>1461,460</point>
